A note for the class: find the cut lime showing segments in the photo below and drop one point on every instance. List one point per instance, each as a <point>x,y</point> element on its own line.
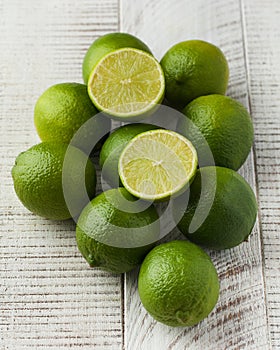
<point>126,83</point>
<point>157,164</point>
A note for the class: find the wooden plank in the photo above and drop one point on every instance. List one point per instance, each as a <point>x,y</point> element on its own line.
<point>49,298</point>
<point>261,20</point>
<point>240,320</point>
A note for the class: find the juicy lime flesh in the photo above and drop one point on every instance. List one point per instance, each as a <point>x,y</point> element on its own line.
<point>157,164</point>
<point>109,43</point>
<point>126,82</point>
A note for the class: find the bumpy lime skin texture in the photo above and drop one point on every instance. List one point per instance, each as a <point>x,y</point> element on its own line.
<point>221,125</point>
<point>106,44</point>
<point>37,176</point>
<point>113,147</point>
<point>103,226</point>
<point>178,284</point>
<point>193,68</point>
<point>62,109</point>
<point>231,206</point>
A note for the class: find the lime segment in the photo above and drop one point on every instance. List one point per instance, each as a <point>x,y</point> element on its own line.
<point>126,83</point>
<point>157,164</point>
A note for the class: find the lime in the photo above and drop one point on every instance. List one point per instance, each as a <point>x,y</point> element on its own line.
<point>113,147</point>
<point>115,231</point>
<point>157,164</point>
<point>178,284</point>
<point>62,109</point>
<point>222,209</point>
<point>221,124</point>
<point>126,83</point>
<point>194,68</point>
<point>108,43</point>
<point>37,176</point>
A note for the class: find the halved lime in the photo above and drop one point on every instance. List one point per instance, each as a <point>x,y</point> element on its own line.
<point>157,164</point>
<point>126,83</point>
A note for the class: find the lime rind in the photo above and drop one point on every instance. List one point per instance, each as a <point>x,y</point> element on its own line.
<point>145,82</point>
<point>158,168</point>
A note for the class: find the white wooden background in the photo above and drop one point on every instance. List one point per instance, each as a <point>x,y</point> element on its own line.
<point>49,298</point>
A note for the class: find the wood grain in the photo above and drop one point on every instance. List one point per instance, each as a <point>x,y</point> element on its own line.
<point>262,47</point>
<point>239,320</point>
<point>49,297</point>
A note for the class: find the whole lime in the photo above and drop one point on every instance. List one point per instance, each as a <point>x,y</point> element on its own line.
<point>178,284</point>
<point>113,147</point>
<point>115,231</point>
<point>220,125</point>
<point>39,179</point>
<point>106,44</point>
<point>61,111</point>
<point>221,211</point>
<point>194,68</point>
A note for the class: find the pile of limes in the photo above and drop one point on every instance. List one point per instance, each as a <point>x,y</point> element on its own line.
<point>192,168</point>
